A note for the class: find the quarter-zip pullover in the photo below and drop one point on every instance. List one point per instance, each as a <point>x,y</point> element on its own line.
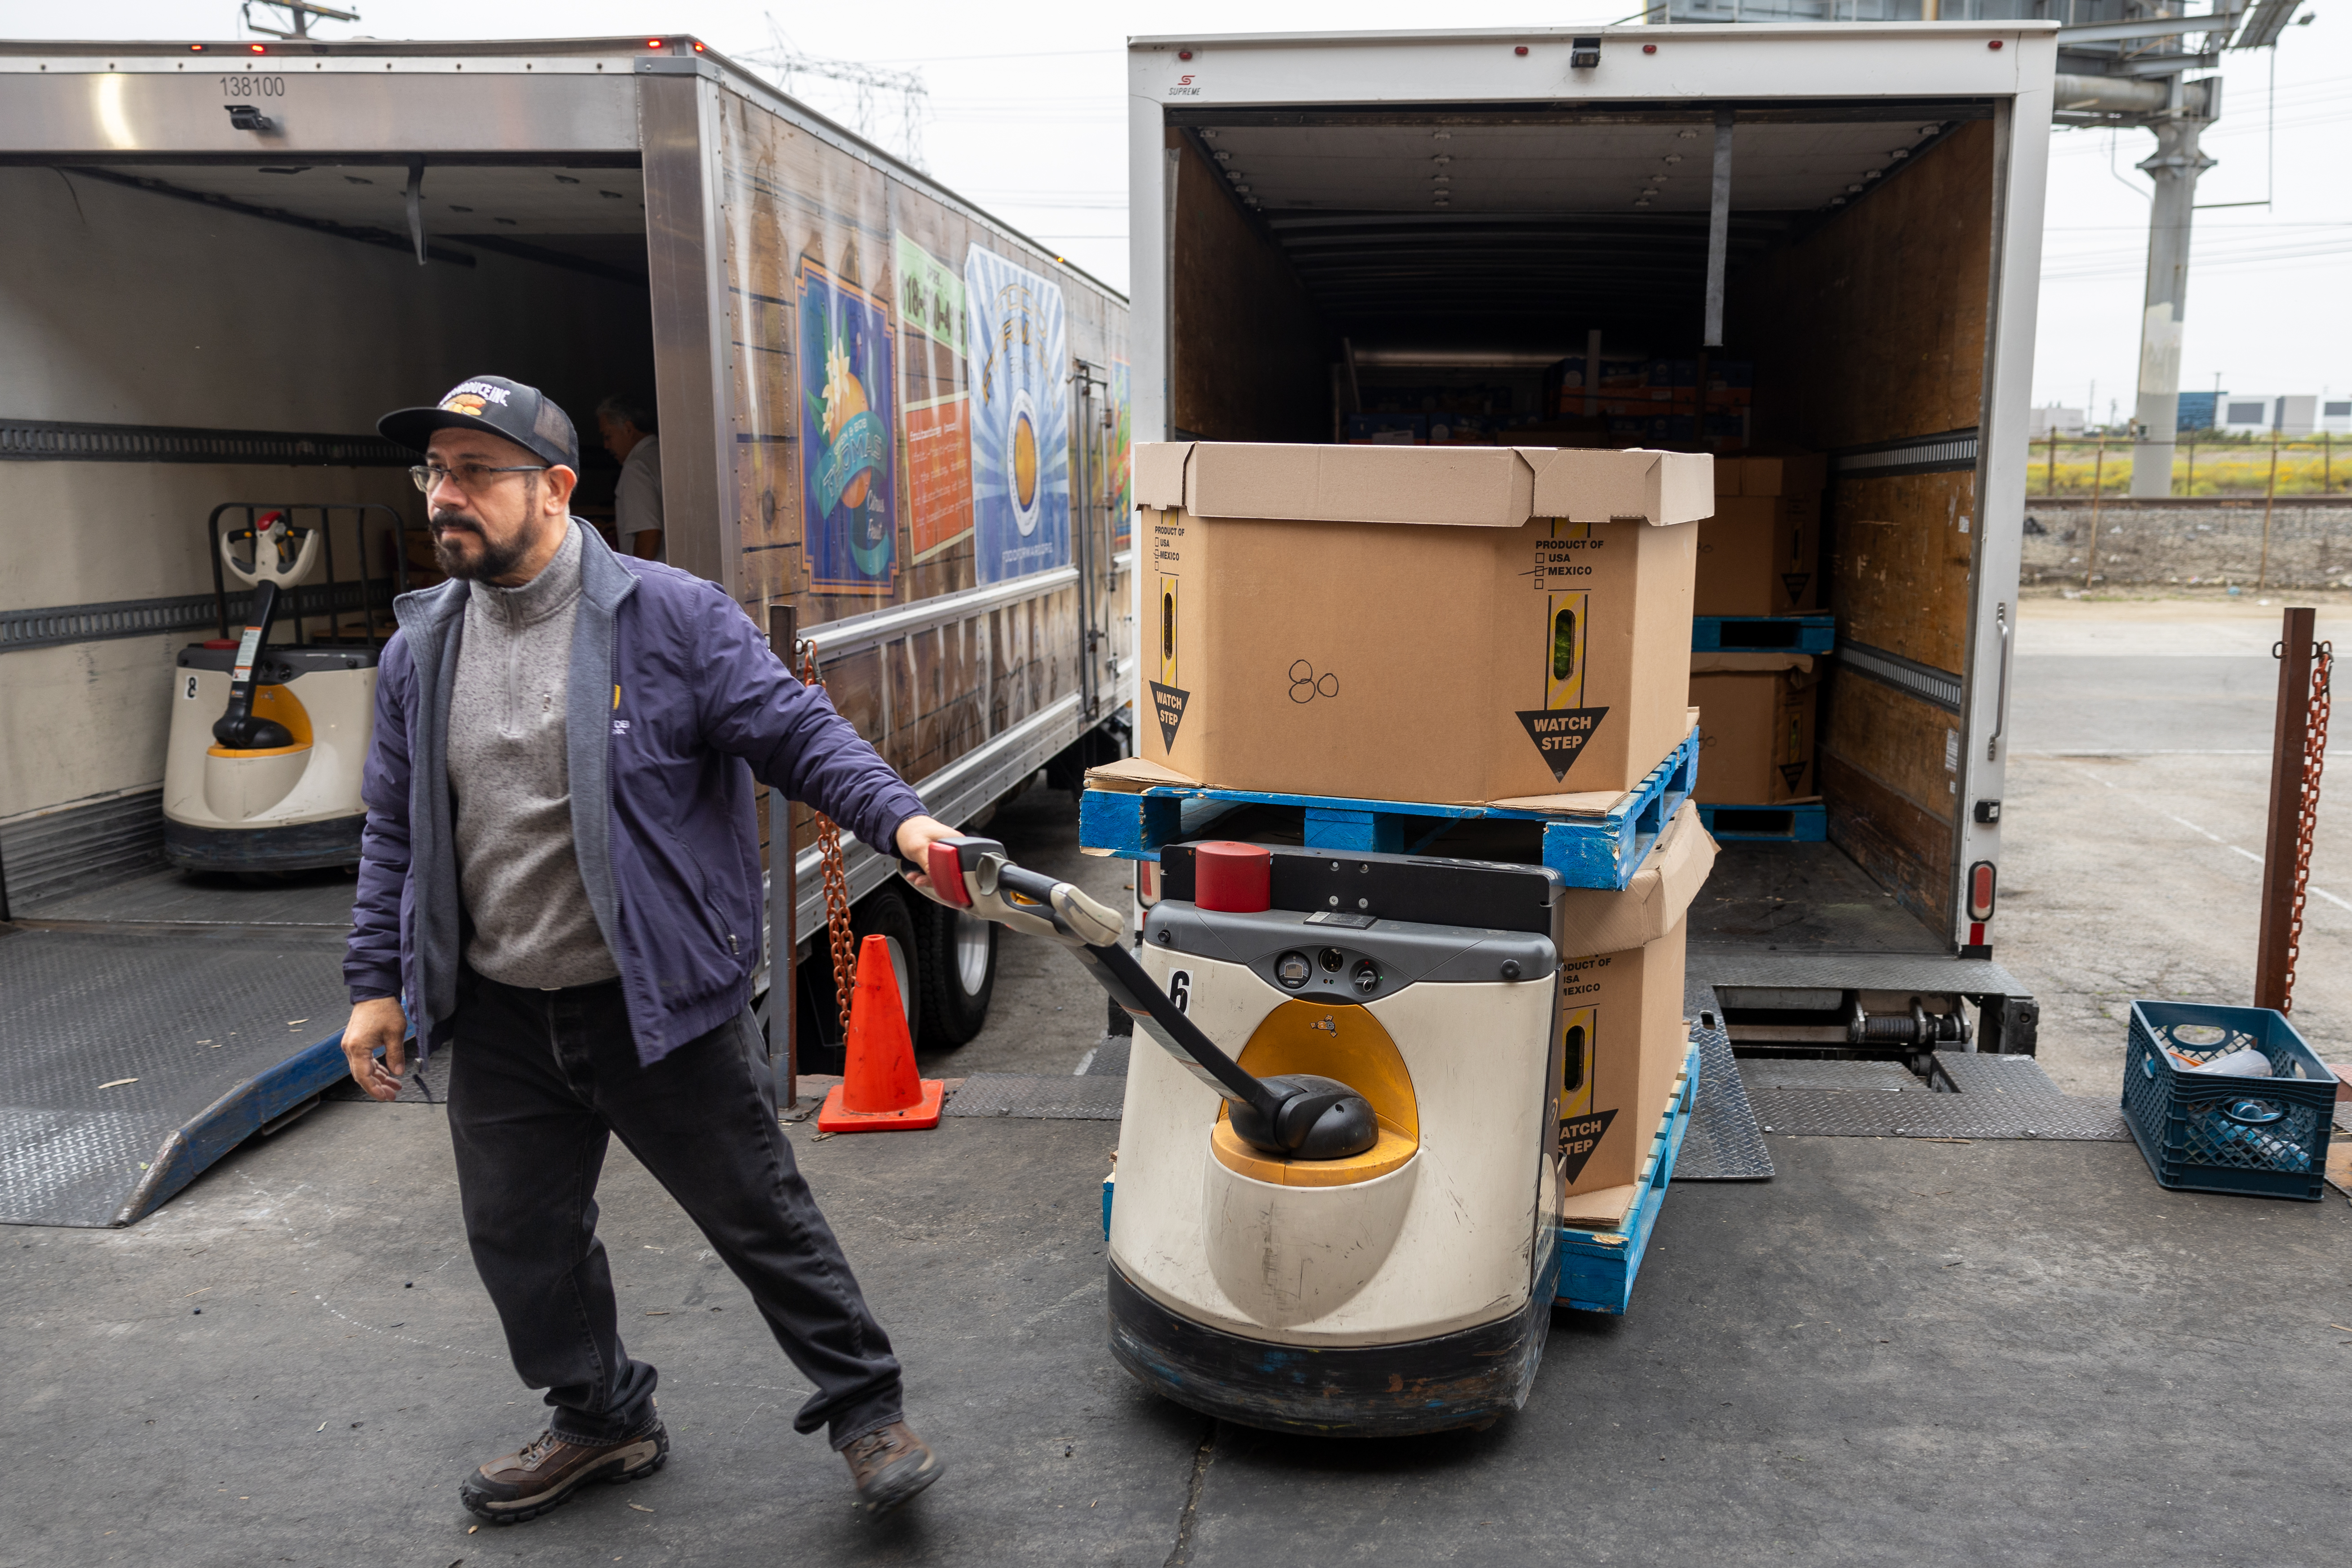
<point>533,924</point>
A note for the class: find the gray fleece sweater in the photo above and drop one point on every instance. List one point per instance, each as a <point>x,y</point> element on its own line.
<point>507,780</point>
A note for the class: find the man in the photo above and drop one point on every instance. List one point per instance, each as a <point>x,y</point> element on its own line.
<point>627,426</point>
<point>561,876</point>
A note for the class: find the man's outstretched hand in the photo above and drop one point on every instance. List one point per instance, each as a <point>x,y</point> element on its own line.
<point>916,836</point>
<point>376,1025</point>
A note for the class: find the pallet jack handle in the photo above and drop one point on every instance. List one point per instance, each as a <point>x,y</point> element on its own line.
<point>1297,1115</point>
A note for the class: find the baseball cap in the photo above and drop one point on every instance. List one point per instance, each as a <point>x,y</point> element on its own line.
<point>523,415</point>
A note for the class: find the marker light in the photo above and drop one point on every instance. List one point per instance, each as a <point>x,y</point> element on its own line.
<point>196,48</point>
<point>258,48</point>
<point>652,43</point>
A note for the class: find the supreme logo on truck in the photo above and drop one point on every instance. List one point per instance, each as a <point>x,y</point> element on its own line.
<point>1184,88</point>
<point>1559,734</point>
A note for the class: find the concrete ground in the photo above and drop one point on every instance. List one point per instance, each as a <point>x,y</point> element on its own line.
<point>1896,1350</point>
<point>2132,833</point>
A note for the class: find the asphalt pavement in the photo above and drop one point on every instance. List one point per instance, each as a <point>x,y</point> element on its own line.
<point>1896,1350</point>
<point>2132,831</point>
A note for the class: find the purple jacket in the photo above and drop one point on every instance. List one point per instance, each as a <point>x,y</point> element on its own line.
<point>676,704</point>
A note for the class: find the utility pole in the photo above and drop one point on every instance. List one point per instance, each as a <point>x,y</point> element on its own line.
<point>2173,169</point>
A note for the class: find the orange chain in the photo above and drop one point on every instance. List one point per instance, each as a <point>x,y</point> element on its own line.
<point>2306,814</point>
<point>836,879</point>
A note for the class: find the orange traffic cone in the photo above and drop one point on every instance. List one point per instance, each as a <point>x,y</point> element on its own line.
<point>879,1091</point>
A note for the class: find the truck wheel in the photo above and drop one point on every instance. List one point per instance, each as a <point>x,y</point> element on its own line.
<point>958,953</point>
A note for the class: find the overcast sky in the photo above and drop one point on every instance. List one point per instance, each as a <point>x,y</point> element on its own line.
<point>1023,114</point>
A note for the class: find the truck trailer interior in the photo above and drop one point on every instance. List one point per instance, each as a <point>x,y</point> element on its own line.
<point>280,300</point>
<point>1320,257</point>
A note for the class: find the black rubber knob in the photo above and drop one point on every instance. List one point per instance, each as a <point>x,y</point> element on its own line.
<point>1510,969</point>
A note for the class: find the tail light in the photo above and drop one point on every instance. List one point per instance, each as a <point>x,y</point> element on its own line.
<point>1980,891</point>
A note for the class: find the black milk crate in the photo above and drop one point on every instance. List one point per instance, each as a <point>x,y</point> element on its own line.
<point>2202,1133</point>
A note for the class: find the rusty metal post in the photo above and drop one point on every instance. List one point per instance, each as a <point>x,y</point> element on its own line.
<point>784,893</point>
<point>2275,955</point>
<point>2098,475</point>
<point>2269,494</point>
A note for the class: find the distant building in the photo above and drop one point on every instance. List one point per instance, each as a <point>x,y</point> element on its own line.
<point>2293,414</point>
<point>2055,419</point>
<point>2197,410</point>
<point>2336,415</point>
<point>2247,414</point>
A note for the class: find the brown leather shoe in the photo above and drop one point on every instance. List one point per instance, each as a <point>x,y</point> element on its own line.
<point>890,1465</point>
<point>548,1470</point>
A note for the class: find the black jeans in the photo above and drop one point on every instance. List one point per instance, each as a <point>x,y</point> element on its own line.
<point>539,1082</point>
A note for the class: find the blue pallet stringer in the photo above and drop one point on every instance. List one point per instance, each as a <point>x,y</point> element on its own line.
<point>1603,850</point>
<point>1597,1266</point>
<point>1806,822</point>
<point>1763,634</point>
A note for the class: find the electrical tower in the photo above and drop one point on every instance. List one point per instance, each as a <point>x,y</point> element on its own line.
<point>2121,64</point>
<point>870,85</point>
<point>298,15</point>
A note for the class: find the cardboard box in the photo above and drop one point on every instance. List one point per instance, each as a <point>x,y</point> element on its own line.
<point>1760,554</point>
<point>1756,714</point>
<point>1454,624</point>
<point>1621,1033</point>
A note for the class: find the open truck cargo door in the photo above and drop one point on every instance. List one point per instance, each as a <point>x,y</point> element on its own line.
<point>1516,236</point>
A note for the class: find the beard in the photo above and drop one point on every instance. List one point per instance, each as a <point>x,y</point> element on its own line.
<point>452,531</point>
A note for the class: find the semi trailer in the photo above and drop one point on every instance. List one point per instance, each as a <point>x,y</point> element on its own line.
<point>892,427</point>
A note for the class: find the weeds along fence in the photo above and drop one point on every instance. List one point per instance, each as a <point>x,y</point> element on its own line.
<point>2203,464</point>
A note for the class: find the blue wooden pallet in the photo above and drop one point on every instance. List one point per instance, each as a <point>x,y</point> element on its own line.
<point>1587,852</point>
<point>1805,823</point>
<point>1763,634</point>
<point>1597,1266</point>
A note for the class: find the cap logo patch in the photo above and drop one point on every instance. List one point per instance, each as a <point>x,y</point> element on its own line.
<point>467,397</point>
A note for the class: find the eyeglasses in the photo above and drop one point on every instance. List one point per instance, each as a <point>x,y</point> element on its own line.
<point>466,476</point>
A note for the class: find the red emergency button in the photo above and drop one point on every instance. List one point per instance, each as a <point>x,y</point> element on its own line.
<point>1233,878</point>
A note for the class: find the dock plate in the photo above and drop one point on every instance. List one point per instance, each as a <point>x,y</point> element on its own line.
<point>130,1062</point>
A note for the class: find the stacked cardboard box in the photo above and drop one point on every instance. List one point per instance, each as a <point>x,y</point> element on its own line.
<point>1452,624</point>
<point>1622,1032</point>
<point>1457,624</point>
<point>1758,555</point>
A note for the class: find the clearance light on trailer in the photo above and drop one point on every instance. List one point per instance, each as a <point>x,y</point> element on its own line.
<point>698,46</point>
<point>258,48</point>
<point>196,48</point>
<point>652,43</point>
<point>1980,887</point>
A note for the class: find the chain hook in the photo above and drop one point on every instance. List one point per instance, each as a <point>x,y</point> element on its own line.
<point>836,880</point>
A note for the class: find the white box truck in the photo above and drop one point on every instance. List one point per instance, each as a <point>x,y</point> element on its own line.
<point>1373,235</point>
<point>887,420</point>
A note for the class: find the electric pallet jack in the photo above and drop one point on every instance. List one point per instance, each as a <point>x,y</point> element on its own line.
<point>1347,1226</point>
<point>268,740</point>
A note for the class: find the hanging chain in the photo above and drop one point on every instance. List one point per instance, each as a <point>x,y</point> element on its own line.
<point>2307,814</point>
<point>836,880</point>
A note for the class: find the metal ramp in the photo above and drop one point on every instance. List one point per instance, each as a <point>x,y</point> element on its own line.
<point>148,1029</point>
